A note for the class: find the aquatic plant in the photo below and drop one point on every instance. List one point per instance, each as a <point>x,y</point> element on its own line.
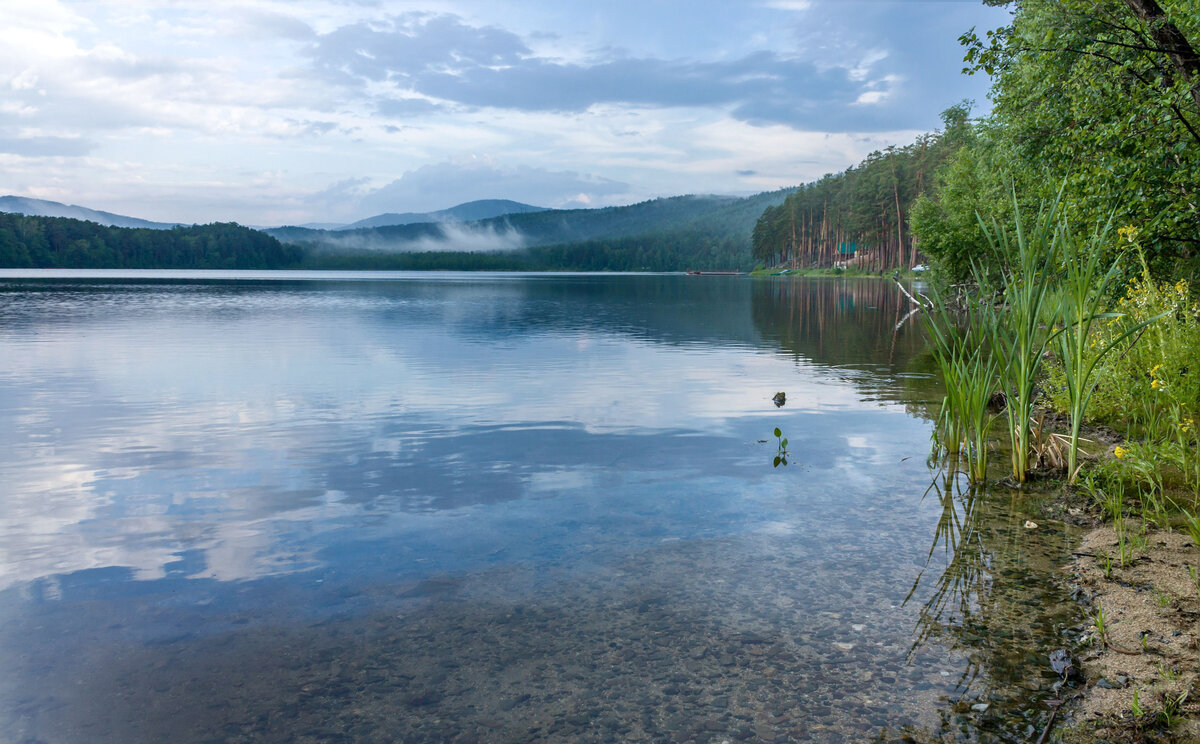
<point>969,372</point>
<point>781,455</point>
<point>1020,333</point>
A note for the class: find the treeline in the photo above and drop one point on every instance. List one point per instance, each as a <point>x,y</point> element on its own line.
<point>670,252</point>
<point>415,261</point>
<point>678,251</point>
<point>1098,99</point>
<point>60,242</point>
<point>862,214</point>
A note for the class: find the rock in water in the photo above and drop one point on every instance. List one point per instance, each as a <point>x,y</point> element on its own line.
<point>1064,664</point>
<point>780,399</point>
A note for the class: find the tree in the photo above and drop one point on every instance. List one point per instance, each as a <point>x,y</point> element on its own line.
<point>1102,96</point>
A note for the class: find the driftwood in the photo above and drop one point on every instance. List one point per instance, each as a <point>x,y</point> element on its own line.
<point>927,305</point>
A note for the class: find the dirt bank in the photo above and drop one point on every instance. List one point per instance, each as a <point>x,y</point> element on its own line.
<point>1150,644</point>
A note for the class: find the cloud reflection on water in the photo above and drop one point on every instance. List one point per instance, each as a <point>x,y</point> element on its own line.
<point>261,429</point>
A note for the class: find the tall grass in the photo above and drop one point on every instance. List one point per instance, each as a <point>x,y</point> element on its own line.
<point>1022,326</point>
<point>1045,291</point>
<point>969,371</point>
<point>1080,351</point>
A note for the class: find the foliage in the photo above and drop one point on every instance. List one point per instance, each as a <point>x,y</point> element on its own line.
<point>414,261</point>
<point>1153,388</point>
<point>60,242</point>
<point>1080,352</point>
<point>1085,93</point>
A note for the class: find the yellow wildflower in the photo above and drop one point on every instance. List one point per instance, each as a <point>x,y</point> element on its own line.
<point>1157,384</point>
<point>1120,452</point>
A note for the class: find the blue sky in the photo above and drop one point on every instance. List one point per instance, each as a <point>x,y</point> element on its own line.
<point>274,111</point>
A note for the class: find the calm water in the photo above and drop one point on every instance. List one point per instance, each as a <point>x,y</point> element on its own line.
<point>440,507</point>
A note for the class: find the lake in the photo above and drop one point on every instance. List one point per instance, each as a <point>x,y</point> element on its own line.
<point>322,507</point>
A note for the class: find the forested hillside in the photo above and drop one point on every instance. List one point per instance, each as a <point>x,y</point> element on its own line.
<point>61,242</point>
<point>673,234</point>
<point>862,213</point>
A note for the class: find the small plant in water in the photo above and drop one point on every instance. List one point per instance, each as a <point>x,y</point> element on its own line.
<point>781,455</point>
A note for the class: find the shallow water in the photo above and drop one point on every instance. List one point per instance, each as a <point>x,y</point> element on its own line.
<point>440,507</point>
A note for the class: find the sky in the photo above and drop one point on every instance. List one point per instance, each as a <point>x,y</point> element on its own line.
<point>269,112</point>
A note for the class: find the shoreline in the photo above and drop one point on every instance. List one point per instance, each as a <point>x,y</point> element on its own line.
<point>1140,633</point>
<point>1141,638</point>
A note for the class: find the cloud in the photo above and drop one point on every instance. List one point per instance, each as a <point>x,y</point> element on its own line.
<point>45,146</point>
<point>412,43</point>
<point>437,186</point>
<point>442,57</point>
<point>406,107</point>
<point>448,236</point>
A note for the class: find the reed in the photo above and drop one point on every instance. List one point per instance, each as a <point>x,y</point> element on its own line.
<point>969,372</point>
<point>1023,325</point>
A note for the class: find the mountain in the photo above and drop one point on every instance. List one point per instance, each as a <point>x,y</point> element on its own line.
<point>718,216</point>
<point>669,234</point>
<point>42,208</point>
<point>468,212</point>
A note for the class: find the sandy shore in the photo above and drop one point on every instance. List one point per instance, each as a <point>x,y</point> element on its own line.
<point>1151,644</point>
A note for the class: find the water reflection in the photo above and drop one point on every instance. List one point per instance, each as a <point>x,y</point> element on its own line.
<point>452,506</point>
<point>998,597</point>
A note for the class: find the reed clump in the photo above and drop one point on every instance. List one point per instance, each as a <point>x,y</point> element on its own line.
<point>1041,295</point>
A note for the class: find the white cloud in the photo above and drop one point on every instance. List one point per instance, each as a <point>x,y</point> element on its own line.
<point>789,4</point>
<point>182,110</point>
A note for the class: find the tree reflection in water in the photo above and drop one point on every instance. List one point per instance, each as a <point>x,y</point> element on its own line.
<point>999,598</point>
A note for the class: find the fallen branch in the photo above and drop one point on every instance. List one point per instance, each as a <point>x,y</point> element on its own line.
<point>907,294</point>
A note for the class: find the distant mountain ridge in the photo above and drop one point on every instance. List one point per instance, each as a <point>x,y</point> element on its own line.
<point>472,211</point>
<point>725,216</point>
<point>43,208</point>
